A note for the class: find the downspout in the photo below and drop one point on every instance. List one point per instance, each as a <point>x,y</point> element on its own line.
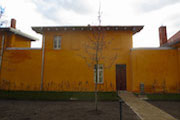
<point>2,51</point>
<point>42,65</point>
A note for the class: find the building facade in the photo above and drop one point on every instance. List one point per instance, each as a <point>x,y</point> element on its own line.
<point>59,65</point>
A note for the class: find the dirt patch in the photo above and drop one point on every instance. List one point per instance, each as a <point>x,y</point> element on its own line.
<point>54,110</point>
<point>171,107</point>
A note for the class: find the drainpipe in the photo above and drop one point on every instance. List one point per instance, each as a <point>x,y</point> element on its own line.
<point>42,65</point>
<point>2,51</point>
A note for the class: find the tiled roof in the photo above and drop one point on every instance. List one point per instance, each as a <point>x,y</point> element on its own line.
<point>175,39</point>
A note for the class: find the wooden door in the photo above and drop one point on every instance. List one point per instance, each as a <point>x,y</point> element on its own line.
<point>121,77</point>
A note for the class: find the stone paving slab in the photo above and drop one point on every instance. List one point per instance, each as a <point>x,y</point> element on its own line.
<point>143,109</point>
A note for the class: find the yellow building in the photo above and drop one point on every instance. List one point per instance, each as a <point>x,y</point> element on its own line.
<point>65,70</point>
<point>59,65</point>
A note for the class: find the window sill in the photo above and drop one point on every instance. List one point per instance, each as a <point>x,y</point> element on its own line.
<point>99,83</point>
<point>56,48</point>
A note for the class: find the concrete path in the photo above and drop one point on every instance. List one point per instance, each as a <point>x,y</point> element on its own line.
<point>143,109</point>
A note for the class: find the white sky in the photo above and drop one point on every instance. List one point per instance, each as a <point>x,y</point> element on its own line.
<point>150,13</point>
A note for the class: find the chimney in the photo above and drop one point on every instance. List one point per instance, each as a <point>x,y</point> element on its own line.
<point>162,35</point>
<point>13,23</point>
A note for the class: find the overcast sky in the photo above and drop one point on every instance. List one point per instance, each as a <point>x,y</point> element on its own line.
<point>150,13</point>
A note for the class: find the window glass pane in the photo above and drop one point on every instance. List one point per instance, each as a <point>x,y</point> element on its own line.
<point>94,76</point>
<point>54,43</point>
<point>100,76</point>
<point>59,43</point>
<point>100,80</point>
<point>95,66</point>
<point>100,66</point>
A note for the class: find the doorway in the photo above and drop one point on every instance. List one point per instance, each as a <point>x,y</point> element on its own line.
<point>120,77</point>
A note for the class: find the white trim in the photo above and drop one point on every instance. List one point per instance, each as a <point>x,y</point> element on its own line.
<point>15,31</point>
<point>153,48</point>
<point>14,48</point>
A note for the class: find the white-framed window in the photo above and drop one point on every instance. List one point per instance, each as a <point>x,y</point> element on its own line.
<point>57,42</point>
<point>100,74</point>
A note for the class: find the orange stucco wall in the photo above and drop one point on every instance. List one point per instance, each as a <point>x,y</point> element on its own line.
<point>21,42</point>
<point>65,70</point>
<point>21,70</point>
<point>156,69</point>
<point>13,40</point>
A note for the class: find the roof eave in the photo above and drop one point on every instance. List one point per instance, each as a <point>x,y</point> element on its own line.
<point>40,30</point>
<point>23,34</point>
<point>18,32</point>
<point>169,44</point>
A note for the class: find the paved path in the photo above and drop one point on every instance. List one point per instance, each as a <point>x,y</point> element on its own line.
<point>143,109</point>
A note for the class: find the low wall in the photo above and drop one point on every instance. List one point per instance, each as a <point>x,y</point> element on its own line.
<point>157,69</point>
<point>21,69</point>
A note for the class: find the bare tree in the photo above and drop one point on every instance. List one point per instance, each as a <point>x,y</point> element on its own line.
<point>95,49</point>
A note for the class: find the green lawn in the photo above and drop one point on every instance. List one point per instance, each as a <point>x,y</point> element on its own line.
<point>163,96</point>
<point>33,95</point>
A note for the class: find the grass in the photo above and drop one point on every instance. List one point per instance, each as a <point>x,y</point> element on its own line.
<point>62,96</point>
<point>166,96</point>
